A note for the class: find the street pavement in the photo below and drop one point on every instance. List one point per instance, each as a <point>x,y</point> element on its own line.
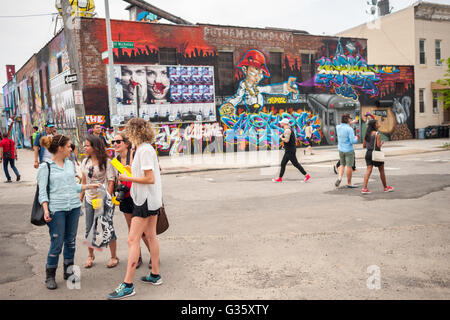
<point>236,235</point>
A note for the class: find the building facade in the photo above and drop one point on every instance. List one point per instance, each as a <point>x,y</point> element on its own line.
<point>211,88</point>
<point>419,36</point>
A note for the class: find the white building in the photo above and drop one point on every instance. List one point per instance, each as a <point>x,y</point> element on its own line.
<point>420,36</point>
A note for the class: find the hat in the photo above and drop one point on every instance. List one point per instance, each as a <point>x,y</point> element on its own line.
<point>255,58</point>
<point>49,125</point>
<point>284,121</point>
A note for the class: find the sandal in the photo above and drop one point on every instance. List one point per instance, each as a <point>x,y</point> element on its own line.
<point>113,264</point>
<point>90,262</point>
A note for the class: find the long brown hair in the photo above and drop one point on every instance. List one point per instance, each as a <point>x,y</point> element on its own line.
<point>99,150</point>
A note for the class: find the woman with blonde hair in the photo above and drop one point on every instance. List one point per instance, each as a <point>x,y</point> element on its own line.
<point>146,193</point>
<point>61,205</point>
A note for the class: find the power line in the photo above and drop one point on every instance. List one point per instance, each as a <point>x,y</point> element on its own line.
<point>30,15</point>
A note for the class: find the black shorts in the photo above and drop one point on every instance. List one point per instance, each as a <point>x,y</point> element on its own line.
<point>127,205</point>
<point>143,212</point>
<point>310,141</point>
<point>369,161</point>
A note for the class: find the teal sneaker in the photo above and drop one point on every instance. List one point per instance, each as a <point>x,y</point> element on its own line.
<point>122,292</point>
<point>156,281</point>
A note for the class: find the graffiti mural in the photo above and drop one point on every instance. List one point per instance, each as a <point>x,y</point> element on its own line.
<point>63,105</point>
<point>194,138</point>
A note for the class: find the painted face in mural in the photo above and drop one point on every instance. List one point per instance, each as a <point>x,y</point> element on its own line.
<point>133,76</point>
<point>253,74</point>
<point>158,83</point>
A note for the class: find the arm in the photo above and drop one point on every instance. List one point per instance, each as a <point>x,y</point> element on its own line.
<point>148,178</point>
<point>379,141</point>
<point>83,182</point>
<point>36,151</point>
<point>352,137</point>
<point>286,135</point>
<point>1,154</point>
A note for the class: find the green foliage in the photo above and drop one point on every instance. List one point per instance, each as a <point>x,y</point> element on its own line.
<point>445,94</point>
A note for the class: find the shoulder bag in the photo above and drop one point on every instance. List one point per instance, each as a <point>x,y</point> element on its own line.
<point>377,155</point>
<point>37,212</point>
<point>162,223</point>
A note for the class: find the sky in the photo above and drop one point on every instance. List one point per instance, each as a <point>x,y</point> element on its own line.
<point>21,37</point>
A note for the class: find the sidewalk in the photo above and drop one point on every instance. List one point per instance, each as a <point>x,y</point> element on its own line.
<point>257,159</point>
<point>272,158</point>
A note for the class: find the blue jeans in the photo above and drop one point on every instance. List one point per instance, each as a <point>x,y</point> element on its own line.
<point>63,231</point>
<point>13,166</point>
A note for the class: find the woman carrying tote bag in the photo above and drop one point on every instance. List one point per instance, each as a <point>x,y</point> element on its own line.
<point>372,141</point>
<point>61,206</point>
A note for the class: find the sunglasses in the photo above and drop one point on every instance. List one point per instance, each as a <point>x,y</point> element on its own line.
<point>116,141</point>
<point>91,172</point>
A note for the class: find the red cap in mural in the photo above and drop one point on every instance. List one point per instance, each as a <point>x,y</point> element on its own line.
<point>255,58</point>
<point>10,72</point>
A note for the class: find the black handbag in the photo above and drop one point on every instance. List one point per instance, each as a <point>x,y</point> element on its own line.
<point>37,212</point>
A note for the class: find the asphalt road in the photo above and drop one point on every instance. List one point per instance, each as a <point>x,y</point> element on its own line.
<point>236,235</point>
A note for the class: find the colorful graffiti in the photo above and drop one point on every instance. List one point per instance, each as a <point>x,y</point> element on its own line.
<point>349,75</point>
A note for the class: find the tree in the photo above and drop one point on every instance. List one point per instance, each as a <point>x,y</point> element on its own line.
<point>445,93</point>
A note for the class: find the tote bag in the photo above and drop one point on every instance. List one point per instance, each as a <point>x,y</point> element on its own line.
<point>37,211</point>
<point>377,155</point>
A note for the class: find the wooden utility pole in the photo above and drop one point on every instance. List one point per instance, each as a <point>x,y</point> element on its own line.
<point>69,33</point>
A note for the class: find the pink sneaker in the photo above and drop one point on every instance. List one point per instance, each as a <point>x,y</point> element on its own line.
<point>277,180</point>
<point>365,191</point>
<point>388,189</point>
<point>307,177</point>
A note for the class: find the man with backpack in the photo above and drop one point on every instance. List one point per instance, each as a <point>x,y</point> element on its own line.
<point>41,153</point>
<point>8,155</point>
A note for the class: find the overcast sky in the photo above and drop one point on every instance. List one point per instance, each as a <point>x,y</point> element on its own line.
<point>21,37</point>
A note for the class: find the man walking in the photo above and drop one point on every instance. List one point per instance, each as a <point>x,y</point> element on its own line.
<point>41,153</point>
<point>290,147</point>
<point>8,154</point>
<point>346,140</point>
<point>97,131</point>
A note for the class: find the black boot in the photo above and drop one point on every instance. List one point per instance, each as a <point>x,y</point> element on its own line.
<point>50,279</point>
<point>66,274</point>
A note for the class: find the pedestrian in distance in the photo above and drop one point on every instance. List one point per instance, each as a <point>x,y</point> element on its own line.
<point>290,148</point>
<point>372,141</point>
<point>123,148</point>
<point>146,192</point>
<point>308,135</point>
<point>35,133</point>
<point>96,168</point>
<point>41,154</point>
<point>8,155</point>
<point>338,164</point>
<point>346,140</point>
<point>98,131</point>
<point>61,206</point>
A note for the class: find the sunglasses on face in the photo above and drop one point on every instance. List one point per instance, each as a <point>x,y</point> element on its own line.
<point>116,141</point>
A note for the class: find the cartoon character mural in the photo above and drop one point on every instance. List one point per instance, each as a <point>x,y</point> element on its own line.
<point>255,125</point>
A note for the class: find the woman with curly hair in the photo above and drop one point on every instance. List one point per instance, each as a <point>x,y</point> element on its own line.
<point>97,168</point>
<point>146,193</point>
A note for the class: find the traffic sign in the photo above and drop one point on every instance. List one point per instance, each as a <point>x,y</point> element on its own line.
<point>123,45</point>
<point>71,78</point>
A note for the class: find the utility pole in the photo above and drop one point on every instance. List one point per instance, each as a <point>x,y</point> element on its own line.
<point>112,85</point>
<point>69,33</point>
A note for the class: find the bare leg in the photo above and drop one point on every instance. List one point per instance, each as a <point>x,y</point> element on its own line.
<point>152,238</point>
<point>382,175</point>
<point>137,228</point>
<point>367,176</point>
<point>341,171</point>
<point>128,217</point>
<point>349,175</point>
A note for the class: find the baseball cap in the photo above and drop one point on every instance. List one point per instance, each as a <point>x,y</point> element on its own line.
<point>50,124</point>
<point>284,121</point>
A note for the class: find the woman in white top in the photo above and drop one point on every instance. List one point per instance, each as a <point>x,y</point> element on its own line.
<point>146,193</point>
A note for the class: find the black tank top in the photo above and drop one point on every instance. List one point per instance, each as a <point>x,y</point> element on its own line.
<point>290,145</point>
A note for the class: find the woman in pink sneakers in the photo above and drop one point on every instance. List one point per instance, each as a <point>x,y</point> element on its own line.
<point>372,141</point>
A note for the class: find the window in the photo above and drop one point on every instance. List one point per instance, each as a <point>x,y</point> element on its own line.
<point>422,51</point>
<point>32,93</point>
<point>41,85</point>
<point>307,66</point>
<point>167,56</point>
<point>60,66</point>
<point>226,73</point>
<point>437,52</point>
<point>275,69</point>
<point>421,101</point>
<point>435,103</point>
